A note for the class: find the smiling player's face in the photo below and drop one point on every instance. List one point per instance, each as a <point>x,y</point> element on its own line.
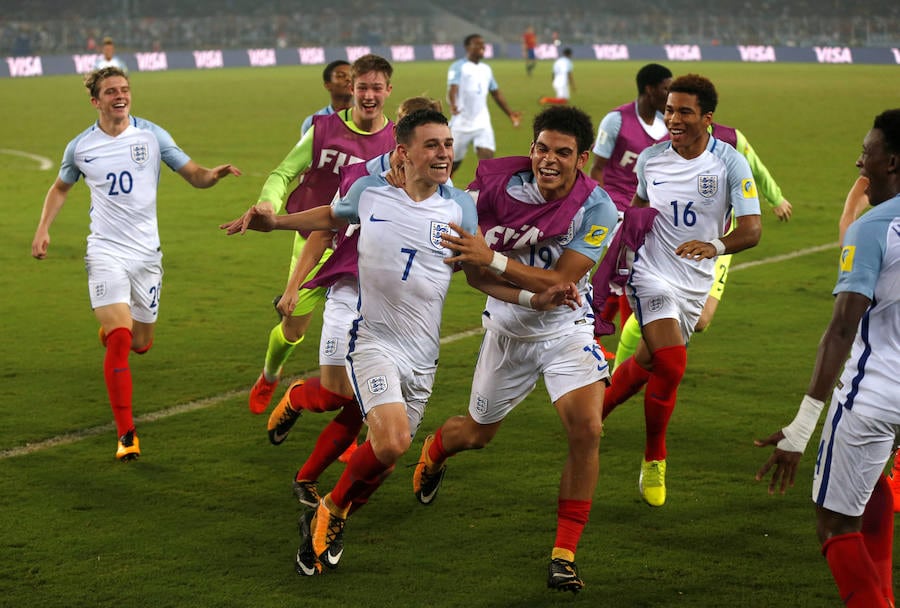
<point>114,98</point>
<point>429,154</point>
<point>370,91</point>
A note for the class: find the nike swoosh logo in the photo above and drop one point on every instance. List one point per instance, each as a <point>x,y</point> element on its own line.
<point>306,569</point>
<point>656,183</point>
<point>279,437</point>
<point>334,558</point>
<point>90,160</point>
<point>372,218</point>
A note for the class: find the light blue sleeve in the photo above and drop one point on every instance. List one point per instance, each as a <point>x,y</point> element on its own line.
<point>68,171</point>
<point>305,125</point>
<point>599,220</point>
<point>171,154</point>
<point>469,220</point>
<point>493,86</point>
<point>455,72</point>
<point>742,187</point>
<point>348,207</point>
<point>639,166</point>
<point>607,133</point>
<point>862,256</point>
<point>379,165</point>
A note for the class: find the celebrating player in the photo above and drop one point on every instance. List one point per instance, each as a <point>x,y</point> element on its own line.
<point>854,514</point>
<point>119,157</point>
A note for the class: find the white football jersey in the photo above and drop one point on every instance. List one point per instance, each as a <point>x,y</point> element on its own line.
<point>403,279</point>
<point>694,197</point>
<point>870,265</point>
<point>588,234</point>
<point>122,174</point>
<point>475,81</point>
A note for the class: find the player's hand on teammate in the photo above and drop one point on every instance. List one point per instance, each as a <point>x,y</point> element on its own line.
<point>396,176</point>
<point>469,248</point>
<point>562,294</point>
<point>696,250</point>
<point>783,464</point>
<point>259,217</point>
<point>783,210</point>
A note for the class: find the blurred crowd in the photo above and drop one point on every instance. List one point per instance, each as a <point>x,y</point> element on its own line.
<point>43,27</point>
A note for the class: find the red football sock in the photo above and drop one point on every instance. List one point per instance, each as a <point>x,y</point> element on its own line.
<point>669,364</point>
<point>313,397</point>
<point>362,499</point>
<point>118,378</point>
<point>363,470</point>
<point>894,481</point>
<point>610,308</point>
<point>878,534</point>
<point>143,351</point>
<point>626,381</point>
<point>332,441</point>
<point>571,517</point>
<point>436,452</point>
<point>853,571</point>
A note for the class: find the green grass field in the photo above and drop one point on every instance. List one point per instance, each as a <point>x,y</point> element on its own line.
<point>206,516</point>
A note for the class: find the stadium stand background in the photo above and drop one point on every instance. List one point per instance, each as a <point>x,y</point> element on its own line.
<point>42,27</point>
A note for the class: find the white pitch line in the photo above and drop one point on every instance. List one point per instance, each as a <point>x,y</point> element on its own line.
<point>44,163</point>
<point>192,406</point>
<point>786,256</point>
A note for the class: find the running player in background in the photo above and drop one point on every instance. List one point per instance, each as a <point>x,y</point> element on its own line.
<point>469,81</point>
<point>337,80</point>
<point>119,157</point>
<point>529,44</point>
<point>563,80</point>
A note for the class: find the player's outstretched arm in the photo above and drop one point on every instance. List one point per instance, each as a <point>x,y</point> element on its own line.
<point>834,348</point>
<point>201,177</point>
<point>783,210</point>
<point>856,202</point>
<point>53,202</point>
<point>262,218</point>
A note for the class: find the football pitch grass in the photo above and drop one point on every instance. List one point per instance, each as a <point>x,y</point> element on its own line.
<point>206,516</point>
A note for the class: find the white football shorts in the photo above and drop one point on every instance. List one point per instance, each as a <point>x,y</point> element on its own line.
<point>379,376</point>
<point>337,319</point>
<point>508,369</point>
<point>651,298</point>
<point>480,138</point>
<point>852,454</point>
<point>137,283</point>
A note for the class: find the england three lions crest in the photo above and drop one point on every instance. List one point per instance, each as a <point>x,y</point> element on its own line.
<point>707,185</point>
<point>377,385</point>
<point>140,153</point>
<point>437,229</point>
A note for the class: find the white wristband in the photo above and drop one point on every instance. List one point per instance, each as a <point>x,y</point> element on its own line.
<point>525,298</point>
<point>498,263</point>
<point>719,245</point>
<point>798,432</point>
